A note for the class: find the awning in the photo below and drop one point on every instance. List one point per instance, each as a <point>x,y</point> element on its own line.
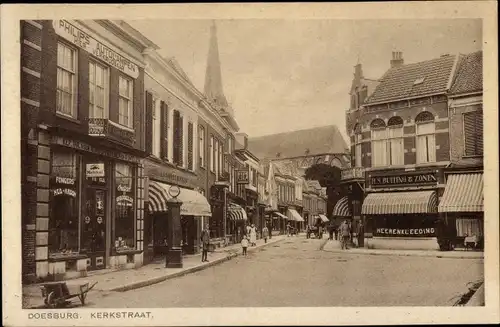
<point>295,215</point>
<point>341,208</point>
<point>236,212</point>
<point>280,215</point>
<point>400,203</point>
<point>323,218</point>
<point>463,193</point>
<point>193,203</point>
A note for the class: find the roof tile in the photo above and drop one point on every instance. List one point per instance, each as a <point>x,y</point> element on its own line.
<point>469,77</point>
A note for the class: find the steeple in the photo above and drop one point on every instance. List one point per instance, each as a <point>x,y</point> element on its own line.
<point>213,77</point>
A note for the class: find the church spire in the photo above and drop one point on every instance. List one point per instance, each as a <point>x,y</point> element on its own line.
<point>213,77</point>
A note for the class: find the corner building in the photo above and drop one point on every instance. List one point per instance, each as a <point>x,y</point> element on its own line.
<point>400,144</point>
<point>82,96</point>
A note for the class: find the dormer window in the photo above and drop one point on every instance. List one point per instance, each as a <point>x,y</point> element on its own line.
<point>419,81</point>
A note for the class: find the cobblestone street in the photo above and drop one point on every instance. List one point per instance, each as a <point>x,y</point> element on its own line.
<point>295,272</point>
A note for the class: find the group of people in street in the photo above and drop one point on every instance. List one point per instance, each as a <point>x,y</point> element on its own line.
<point>345,232</point>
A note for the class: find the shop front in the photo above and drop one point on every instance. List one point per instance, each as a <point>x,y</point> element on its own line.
<point>194,209</point>
<point>400,212</point>
<point>95,206</point>
<point>237,219</point>
<point>295,218</point>
<point>463,207</point>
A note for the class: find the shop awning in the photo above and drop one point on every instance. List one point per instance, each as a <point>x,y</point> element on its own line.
<point>400,203</point>
<point>279,215</point>
<point>193,203</point>
<point>341,208</point>
<point>323,218</point>
<point>295,215</point>
<point>463,193</point>
<point>236,212</point>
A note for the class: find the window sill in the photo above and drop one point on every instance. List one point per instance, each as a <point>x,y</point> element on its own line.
<point>120,126</point>
<point>66,257</point>
<point>69,118</point>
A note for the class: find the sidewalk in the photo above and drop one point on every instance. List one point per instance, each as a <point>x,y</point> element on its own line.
<point>125,280</point>
<point>334,246</point>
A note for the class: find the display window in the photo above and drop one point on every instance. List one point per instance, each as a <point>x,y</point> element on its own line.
<point>124,224</point>
<point>64,198</point>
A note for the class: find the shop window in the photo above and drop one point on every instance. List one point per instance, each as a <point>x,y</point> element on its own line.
<point>473,133</point>
<point>124,231</point>
<point>66,80</point>
<point>98,90</point>
<point>426,138</point>
<point>63,220</point>
<point>379,143</point>
<point>467,226</point>
<point>395,146</point>
<point>125,107</point>
<point>201,145</point>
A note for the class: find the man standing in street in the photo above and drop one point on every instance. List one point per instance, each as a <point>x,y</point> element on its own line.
<point>265,233</point>
<point>344,234</point>
<point>361,235</point>
<point>205,242</point>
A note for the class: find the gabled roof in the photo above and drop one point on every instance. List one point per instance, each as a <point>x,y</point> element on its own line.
<point>312,141</point>
<point>177,67</point>
<point>403,82</point>
<point>469,76</point>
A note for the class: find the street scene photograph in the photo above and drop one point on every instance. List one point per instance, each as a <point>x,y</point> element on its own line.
<point>237,163</point>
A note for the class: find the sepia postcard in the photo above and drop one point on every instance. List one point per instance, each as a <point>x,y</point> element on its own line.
<point>250,164</point>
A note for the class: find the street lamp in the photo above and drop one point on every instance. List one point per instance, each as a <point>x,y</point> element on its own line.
<point>173,258</point>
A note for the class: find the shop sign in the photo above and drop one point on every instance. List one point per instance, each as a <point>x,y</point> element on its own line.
<point>169,175</point>
<point>242,176</point>
<point>413,179</point>
<point>124,188</point>
<point>94,47</point>
<point>64,180</point>
<point>125,200</point>
<point>64,191</point>
<point>82,146</point>
<point>411,232</point>
<point>95,170</point>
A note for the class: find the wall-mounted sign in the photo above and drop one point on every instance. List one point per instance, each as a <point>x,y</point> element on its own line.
<point>97,49</point>
<point>242,176</point>
<point>407,179</point>
<point>125,200</point>
<point>64,180</point>
<point>124,188</point>
<point>64,191</point>
<point>405,232</point>
<point>99,220</point>
<point>94,170</point>
<point>170,175</point>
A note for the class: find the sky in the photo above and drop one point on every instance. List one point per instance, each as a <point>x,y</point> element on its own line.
<point>284,75</point>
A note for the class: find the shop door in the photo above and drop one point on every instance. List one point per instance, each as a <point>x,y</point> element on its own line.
<point>94,229</point>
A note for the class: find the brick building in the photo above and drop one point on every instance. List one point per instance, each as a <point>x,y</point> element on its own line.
<point>82,142</point>
<point>400,146</point>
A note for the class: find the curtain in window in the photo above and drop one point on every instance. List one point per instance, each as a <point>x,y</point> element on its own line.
<point>396,147</point>
<point>426,143</point>
<point>379,148</point>
<point>469,227</point>
<point>124,226</point>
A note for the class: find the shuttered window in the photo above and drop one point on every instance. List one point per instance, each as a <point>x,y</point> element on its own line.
<point>164,130</point>
<point>177,141</point>
<point>473,133</point>
<point>190,147</point>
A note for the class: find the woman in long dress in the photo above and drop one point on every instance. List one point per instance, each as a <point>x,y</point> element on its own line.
<point>253,235</point>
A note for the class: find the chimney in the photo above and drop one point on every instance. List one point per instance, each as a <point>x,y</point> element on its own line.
<point>397,59</point>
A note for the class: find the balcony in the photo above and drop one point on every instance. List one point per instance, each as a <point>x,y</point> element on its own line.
<point>101,127</point>
<point>356,173</point>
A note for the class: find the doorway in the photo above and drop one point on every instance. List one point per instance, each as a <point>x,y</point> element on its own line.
<point>94,228</point>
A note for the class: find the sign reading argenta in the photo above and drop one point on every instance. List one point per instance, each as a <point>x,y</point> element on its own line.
<point>96,48</point>
<point>242,176</point>
<point>408,179</point>
<point>405,232</point>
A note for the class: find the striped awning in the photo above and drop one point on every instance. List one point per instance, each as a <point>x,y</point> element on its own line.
<point>193,203</point>
<point>279,215</point>
<point>400,203</point>
<point>463,193</point>
<point>295,215</point>
<point>323,218</point>
<point>236,212</point>
<point>341,208</point>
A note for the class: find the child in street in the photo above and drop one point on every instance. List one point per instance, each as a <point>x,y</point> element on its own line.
<point>244,245</point>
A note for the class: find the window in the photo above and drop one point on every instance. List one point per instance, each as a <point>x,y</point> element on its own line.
<point>124,225</point>
<point>190,163</point>
<point>98,90</point>
<point>178,140</point>
<point>63,219</point>
<point>201,146</point>
<point>473,133</point>
<point>216,156</point>
<point>212,151</point>
<point>125,111</point>
<point>426,142</point>
<point>229,144</point>
<point>156,127</point>
<point>395,145</point>
<point>66,80</point>
<point>379,143</point>
<point>357,146</point>
<point>221,157</point>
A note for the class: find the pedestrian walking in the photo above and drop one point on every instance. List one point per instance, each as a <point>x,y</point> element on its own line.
<point>288,229</point>
<point>265,233</point>
<point>330,232</point>
<point>248,230</point>
<point>253,235</point>
<point>205,243</point>
<point>344,234</point>
<point>244,245</point>
<point>308,231</point>
<point>361,235</point>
